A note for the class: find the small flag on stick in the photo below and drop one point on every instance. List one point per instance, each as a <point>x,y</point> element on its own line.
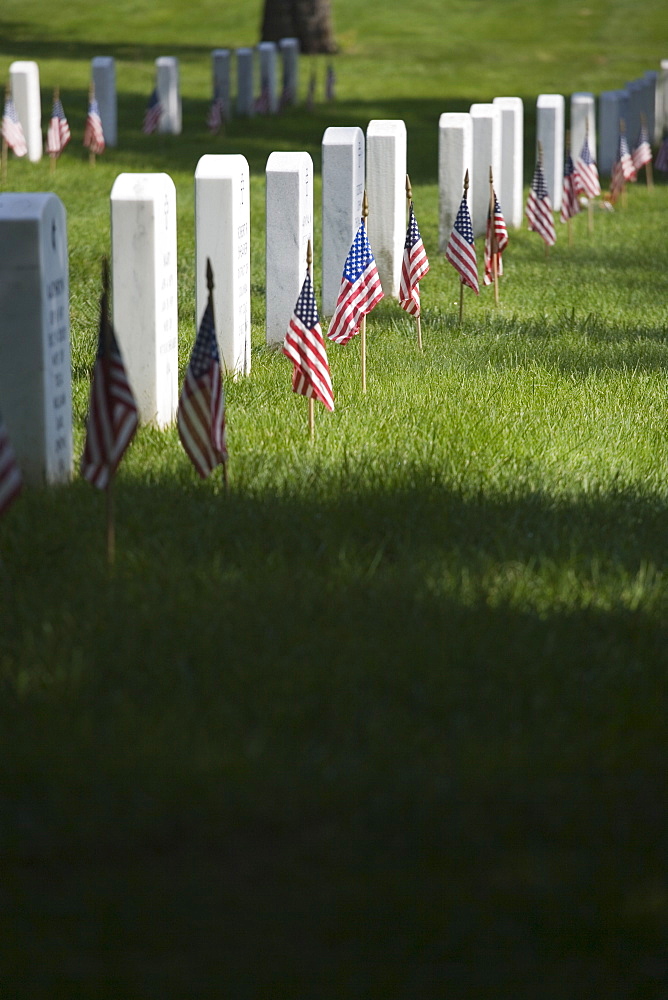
<point>570,205</point>
<point>93,138</point>
<point>216,115</point>
<point>304,345</point>
<point>153,113</point>
<point>414,266</point>
<point>58,133</point>
<point>11,479</point>
<point>496,241</point>
<point>12,133</point>
<point>539,208</point>
<point>360,289</point>
<point>201,413</point>
<point>642,154</point>
<point>460,250</point>
<point>623,170</point>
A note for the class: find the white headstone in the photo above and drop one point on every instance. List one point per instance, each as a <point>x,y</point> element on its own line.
<point>24,80</point>
<point>550,133</point>
<point>386,191</point>
<point>583,122</point>
<point>267,53</point>
<point>455,153</point>
<point>612,106</point>
<point>342,194</point>
<point>289,228</point>
<point>143,259</point>
<point>289,49</point>
<point>486,124</point>
<point>35,364</point>
<point>222,234</point>
<point>104,81</point>
<point>661,102</point>
<point>220,71</point>
<point>650,78</point>
<point>635,91</point>
<point>245,92</point>
<point>169,94</point>
<point>510,189</point>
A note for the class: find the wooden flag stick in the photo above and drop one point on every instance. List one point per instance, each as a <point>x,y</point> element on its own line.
<point>311,415</point>
<point>409,203</point>
<point>365,215</point>
<point>493,243</point>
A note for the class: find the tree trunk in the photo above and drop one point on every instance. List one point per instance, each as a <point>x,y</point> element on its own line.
<point>307,20</point>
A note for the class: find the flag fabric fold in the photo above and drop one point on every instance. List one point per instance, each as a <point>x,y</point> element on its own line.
<point>539,208</point>
<point>58,133</point>
<point>201,413</point>
<point>570,205</point>
<point>460,250</point>
<point>12,130</point>
<point>360,290</point>
<point>629,172</point>
<point>642,154</point>
<point>304,345</point>
<point>153,113</point>
<point>93,138</point>
<point>414,266</point>
<point>496,241</point>
<point>11,480</point>
<point>112,412</point>
<point>586,173</point>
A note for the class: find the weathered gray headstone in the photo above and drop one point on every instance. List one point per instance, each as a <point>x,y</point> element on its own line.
<point>222,234</point>
<point>289,49</point>
<point>583,122</point>
<point>220,71</point>
<point>289,228</point>
<point>267,57</point>
<point>613,106</point>
<point>455,152</point>
<point>510,187</point>
<point>386,191</point>
<point>24,80</point>
<point>143,255</point>
<point>169,94</point>
<point>486,124</point>
<point>245,92</point>
<point>550,133</point>
<point>104,81</point>
<point>35,364</point>
<point>342,194</point>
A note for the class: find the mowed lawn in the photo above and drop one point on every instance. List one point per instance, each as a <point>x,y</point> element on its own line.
<point>387,718</point>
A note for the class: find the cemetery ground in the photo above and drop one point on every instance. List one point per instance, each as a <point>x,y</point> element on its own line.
<point>387,718</point>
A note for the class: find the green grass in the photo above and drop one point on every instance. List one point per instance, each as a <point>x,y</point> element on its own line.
<point>387,719</point>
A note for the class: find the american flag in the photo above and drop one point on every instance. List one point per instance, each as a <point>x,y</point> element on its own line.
<point>216,115</point>
<point>11,480</point>
<point>58,134</point>
<point>642,154</point>
<point>201,413</point>
<point>12,131</point>
<point>586,173</point>
<point>93,137</point>
<point>153,113</point>
<point>496,241</point>
<point>460,250</point>
<point>617,181</point>
<point>414,266</point>
<point>360,290</point>
<point>570,205</point>
<point>661,162</point>
<point>628,169</point>
<point>305,346</point>
<point>262,103</point>
<point>112,411</point>
<point>539,209</point>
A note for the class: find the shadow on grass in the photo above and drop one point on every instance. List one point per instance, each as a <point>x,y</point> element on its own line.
<point>297,745</point>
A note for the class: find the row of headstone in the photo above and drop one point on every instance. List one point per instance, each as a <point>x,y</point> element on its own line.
<point>263,62</point>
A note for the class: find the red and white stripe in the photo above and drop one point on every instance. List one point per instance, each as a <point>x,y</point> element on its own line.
<point>112,418</point>
<point>201,420</point>
<point>355,300</point>
<point>11,480</point>
<point>306,349</point>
